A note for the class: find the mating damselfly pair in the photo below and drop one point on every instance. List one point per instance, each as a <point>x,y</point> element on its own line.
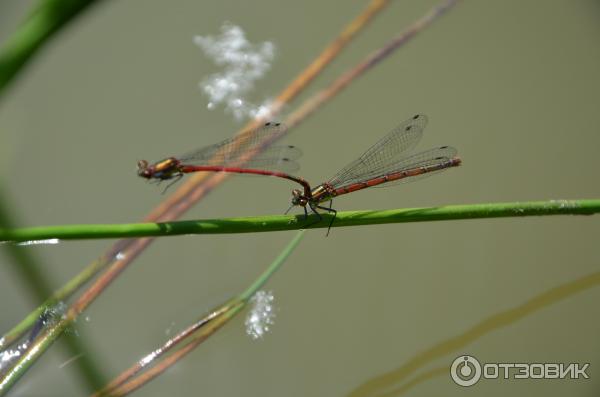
<point>389,160</point>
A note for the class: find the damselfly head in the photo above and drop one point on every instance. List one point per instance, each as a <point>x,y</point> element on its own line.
<point>142,169</point>
<point>298,198</point>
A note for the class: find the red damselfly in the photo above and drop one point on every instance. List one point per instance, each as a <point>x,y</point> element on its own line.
<point>388,161</point>
<point>247,153</point>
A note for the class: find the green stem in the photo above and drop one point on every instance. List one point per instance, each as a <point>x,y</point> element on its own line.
<point>8,380</point>
<point>284,222</point>
<point>62,294</point>
<point>268,273</point>
<point>47,18</point>
<point>34,276</point>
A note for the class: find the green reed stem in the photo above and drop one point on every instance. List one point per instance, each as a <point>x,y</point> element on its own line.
<point>273,223</point>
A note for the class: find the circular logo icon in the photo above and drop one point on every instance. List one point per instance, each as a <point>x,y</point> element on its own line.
<point>465,371</point>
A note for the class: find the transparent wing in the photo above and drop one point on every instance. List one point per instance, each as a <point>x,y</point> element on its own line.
<point>283,164</point>
<point>418,166</point>
<point>388,150</point>
<point>233,149</point>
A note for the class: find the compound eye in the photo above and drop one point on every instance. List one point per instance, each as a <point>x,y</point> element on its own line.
<point>142,168</point>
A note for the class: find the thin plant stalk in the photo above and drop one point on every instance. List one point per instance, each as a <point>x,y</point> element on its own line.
<point>193,335</point>
<point>34,275</point>
<point>271,223</point>
<point>58,296</point>
<point>327,55</point>
<point>317,101</point>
